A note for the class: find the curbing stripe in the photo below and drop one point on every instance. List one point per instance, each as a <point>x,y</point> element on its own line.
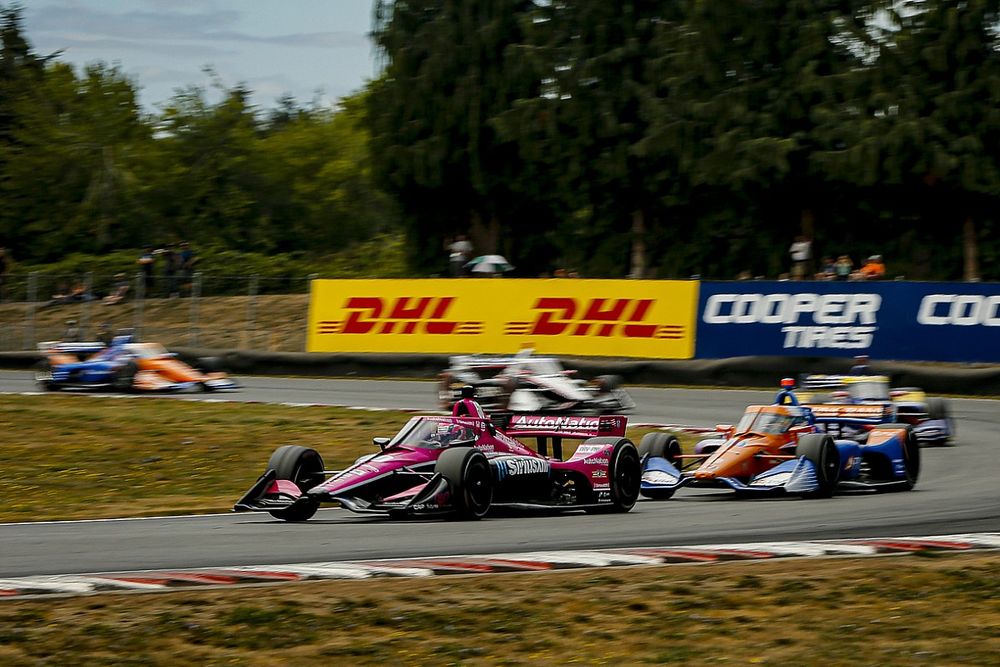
<point>536,561</point>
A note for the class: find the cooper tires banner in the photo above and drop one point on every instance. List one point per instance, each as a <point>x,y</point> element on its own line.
<point>885,320</point>
<point>616,318</point>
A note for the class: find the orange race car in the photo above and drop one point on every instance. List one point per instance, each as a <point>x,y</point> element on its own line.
<point>124,365</point>
<point>786,448</point>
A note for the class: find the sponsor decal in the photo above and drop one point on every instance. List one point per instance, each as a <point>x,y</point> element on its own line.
<point>523,466</point>
<point>589,449</point>
<point>599,474</point>
<point>400,315</point>
<point>856,411</point>
<point>558,316</point>
<point>962,310</point>
<point>557,423</point>
<point>597,462</point>
<point>658,477</point>
<point>777,479</point>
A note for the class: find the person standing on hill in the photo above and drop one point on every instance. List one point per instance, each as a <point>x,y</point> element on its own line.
<point>801,254</point>
<point>171,262</point>
<point>186,263</point>
<point>146,261</point>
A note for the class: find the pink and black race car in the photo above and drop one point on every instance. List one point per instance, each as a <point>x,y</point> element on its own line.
<point>461,466</point>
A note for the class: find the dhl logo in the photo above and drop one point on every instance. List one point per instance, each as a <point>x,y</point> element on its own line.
<point>403,315</point>
<point>593,317</point>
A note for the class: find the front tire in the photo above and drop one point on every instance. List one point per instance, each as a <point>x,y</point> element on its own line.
<point>43,376</point>
<point>304,467</point>
<point>470,479</point>
<point>624,475</point>
<point>821,451</point>
<point>663,445</point>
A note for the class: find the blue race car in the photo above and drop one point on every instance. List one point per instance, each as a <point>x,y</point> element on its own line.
<point>930,417</point>
<point>125,365</point>
<point>787,448</point>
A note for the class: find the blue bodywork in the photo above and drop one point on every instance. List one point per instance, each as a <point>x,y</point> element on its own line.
<point>876,466</point>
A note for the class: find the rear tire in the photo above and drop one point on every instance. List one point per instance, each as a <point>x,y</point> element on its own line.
<point>124,377</point>
<point>608,383</point>
<point>911,454</point>
<point>937,408</point>
<point>43,376</point>
<point>470,479</point>
<point>663,445</point>
<point>304,467</point>
<point>820,450</point>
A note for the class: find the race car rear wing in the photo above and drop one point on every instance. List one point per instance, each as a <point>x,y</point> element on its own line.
<point>840,413</point>
<point>71,348</point>
<point>563,426</point>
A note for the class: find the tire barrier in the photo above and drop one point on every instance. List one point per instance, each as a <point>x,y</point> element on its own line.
<point>734,372</point>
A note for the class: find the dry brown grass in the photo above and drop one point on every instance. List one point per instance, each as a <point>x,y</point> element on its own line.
<point>877,611</point>
<point>278,322</point>
<point>71,457</point>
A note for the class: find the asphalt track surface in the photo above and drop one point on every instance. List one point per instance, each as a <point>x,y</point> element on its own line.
<point>957,492</point>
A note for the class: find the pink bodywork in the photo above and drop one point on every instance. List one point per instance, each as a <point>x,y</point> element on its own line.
<point>591,460</point>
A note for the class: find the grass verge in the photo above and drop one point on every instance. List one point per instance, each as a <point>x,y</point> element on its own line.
<point>72,457</point>
<point>877,611</point>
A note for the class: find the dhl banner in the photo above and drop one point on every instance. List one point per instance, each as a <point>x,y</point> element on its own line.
<point>612,318</point>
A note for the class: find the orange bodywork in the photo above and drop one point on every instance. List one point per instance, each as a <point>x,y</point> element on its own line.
<point>747,453</point>
<point>159,372</point>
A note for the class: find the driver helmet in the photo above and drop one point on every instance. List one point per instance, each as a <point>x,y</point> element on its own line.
<point>468,391</point>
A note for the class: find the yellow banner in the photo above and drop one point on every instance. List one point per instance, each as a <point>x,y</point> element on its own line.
<point>611,318</point>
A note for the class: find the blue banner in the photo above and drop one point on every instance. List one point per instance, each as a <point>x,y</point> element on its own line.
<point>885,320</point>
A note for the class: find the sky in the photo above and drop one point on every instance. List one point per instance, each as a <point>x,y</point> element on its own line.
<point>310,49</point>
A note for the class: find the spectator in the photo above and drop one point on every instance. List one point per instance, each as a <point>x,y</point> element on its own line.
<point>119,290</point>
<point>60,296</point>
<point>146,261</point>
<point>861,366</point>
<point>4,270</point>
<point>801,253</point>
<point>874,268</point>
<point>171,263</point>
<point>105,335</point>
<point>843,268</point>
<point>459,252</point>
<point>827,270</point>
<point>187,261</point>
<point>79,293</point>
<point>72,333</point>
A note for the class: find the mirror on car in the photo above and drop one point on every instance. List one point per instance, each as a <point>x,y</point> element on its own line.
<point>381,442</point>
<point>723,428</point>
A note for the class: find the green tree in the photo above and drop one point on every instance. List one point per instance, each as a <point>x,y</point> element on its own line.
<point>449,73</point>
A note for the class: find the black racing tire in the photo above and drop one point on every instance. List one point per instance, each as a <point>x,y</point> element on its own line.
<point>608,383</point>
<point>124,377</point>
<point>911,454</point>
<point>937,408</point>
<point>624,475</point>
<point>470,479</point>
<point>43,376</point>
<point>664,445</point>
<point>209,364</point>
<point>304,467</point>
<point>820,449</point>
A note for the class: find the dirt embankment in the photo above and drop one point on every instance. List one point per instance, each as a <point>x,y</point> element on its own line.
<point>273,322</point>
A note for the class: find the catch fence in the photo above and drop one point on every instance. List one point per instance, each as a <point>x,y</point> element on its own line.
<point>197,310</point>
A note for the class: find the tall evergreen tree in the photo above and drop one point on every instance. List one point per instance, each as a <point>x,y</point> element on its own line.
<point>448,75</point>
